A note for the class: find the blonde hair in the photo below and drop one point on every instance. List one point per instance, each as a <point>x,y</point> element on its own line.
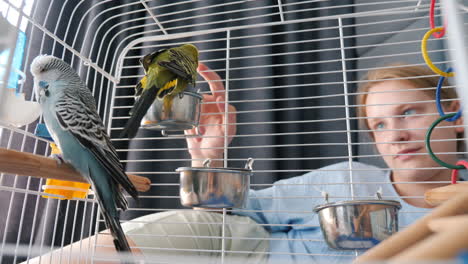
<point>418,76</point>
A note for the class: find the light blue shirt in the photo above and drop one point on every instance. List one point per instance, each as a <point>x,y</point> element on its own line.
<point>286,209</point>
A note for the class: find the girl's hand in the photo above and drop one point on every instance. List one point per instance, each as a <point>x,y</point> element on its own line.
<point>212,127</point>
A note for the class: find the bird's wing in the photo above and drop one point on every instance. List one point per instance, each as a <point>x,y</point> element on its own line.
<point>181,64</point>
<point>85,125</point>
<point>148,59</point>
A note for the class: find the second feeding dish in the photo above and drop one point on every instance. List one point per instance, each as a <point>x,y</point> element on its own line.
<point>358,224</point>
<point>215,187</point>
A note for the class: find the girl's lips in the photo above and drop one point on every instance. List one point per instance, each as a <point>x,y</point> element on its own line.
<point>401,155</point>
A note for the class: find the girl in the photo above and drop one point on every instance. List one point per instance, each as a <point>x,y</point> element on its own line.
<point>397,111</point>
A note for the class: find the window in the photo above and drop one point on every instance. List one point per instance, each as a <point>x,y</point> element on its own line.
<point>9,16</point>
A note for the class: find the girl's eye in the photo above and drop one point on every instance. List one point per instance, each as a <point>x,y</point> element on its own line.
<point>409,112</point>
<point>379,126</point>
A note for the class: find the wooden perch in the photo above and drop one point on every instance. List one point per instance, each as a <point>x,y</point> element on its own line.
<point>439,195</point>
<point>27,164</point>
<point>444,245</point>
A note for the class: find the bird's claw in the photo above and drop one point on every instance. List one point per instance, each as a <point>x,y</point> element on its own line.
<point>58,158</point>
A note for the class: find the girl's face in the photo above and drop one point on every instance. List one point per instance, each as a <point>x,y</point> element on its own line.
<point>400,124</point>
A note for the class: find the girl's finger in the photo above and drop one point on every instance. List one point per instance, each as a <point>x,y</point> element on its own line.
<point>191,132</point>
<point>222,109</point>
<point>221,105</point>
<point>213,79</point>
<point>231,116</point>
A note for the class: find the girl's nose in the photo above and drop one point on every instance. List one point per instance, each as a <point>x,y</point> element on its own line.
<point>398,134</point>
<point>403,135</point>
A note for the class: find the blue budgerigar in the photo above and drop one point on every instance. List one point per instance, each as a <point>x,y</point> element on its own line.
<point>69,111</point>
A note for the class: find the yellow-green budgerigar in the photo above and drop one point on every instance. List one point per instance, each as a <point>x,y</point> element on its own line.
<point>168,73</point>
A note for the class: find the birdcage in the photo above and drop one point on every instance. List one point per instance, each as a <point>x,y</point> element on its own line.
<point>291,69</point>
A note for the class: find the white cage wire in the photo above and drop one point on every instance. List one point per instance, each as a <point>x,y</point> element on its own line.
<point>290,67</point>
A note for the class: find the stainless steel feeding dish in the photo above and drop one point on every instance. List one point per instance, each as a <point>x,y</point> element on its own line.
<point>358,224</point>
<point>214,187</point>
<point>183,114</point>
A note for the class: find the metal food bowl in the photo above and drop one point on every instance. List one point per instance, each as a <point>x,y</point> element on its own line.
<point>358,224</point>
<point>184,113</point>
<point>214,187</point>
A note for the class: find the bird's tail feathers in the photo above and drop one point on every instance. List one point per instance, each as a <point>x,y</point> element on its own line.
<point>127,185</point>
<point>111,218</point>
<point>120,241</point>
<point>119,238</point>
<point>131,189</point>
<point>139,111</point>
<point>121,202</point>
